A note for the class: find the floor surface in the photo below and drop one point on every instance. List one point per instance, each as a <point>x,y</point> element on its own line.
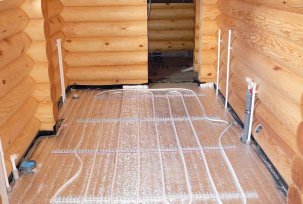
<point>146,146</point>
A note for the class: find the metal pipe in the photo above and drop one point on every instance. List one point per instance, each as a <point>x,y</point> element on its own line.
<point>61,67</point>
<point>200,36</point>
<point>4,166</point>
<point>218,61</point>
<point>4,184</point>
<point>254,92</point>
<point>228,69</point>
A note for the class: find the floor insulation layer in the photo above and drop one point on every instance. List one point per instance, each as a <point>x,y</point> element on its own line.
<point>146,146</point>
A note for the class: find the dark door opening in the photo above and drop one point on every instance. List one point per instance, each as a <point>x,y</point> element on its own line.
<point>171,32</point>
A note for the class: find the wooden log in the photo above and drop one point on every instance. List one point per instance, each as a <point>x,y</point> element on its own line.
<point>265,18</point>
<point>35,29</point>
<point>51,47</point>
<point>46,126</point>
<point>271,123</point>
<point>107,73</point>
<point>297,172</point>
<point>103,29</point>
<point>37,51</point>
<point>207,72</point>
<point>171,45</point>
<point>294,196</point>
<point>105,44</point>
<point>12,22</point>
<point>106,14</point>
<point>269,69</point>
<point>45,113</point>
<point>210,13</point>
<point>175,35</point>
<point>210,29</point>
<point>42,93</point>
<point>300,138</point>
<point>277,151</point>
<point>53,25</point>
<point>284,51</point>
<point>172,6</point>
<point>105,58</point>
<point>14,125</point>
<point>166,14</point>
<point>22,142</point>
<point>40,72</point>
<point>207,43</point>
<point>51,8</point>
<point>208,57</point>
<point>55,93</point>
<point>13,47</point>
<point>33,9</point>
<point>174,24</point>
<point>273,99</point>
<point>10,4</point>
<point>15,72</point>
<point>15,98</point>
<point>291,6</point>
<point>103,3</point>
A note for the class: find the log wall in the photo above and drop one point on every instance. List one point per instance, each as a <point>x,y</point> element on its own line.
<point>20,60</point>
<point>53,25</point>
<point>205,54</point>
<point>267,45</point>
<point>37,51</point>
<point>105,41</point>
<point>171,27</point>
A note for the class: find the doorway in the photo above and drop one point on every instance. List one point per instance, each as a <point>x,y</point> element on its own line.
<point>171,31</point>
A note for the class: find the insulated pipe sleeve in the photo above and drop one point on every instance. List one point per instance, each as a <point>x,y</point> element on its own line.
<point>248,103</point>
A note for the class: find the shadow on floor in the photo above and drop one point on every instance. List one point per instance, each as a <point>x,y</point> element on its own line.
<point>169,69</point>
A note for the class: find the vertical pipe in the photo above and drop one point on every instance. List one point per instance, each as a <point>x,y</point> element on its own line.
<point>4,184</point>
<point>218,62</point>
<point>58,44</point>
<point>200,36</point>
<point>3,167</point>
<point>252,110</point>
<point>228,68</point>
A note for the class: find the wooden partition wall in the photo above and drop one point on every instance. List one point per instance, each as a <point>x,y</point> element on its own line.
<point>171,27</point>
<point>25,96</point>
<point>105,41</point>
<point>205,53</point>
<point>267,45</point>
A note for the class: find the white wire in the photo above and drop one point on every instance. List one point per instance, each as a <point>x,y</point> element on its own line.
<point>201,152</point>
<point>71,180</point>
<point>230,167</point>
<point>117,154</point>
<point>200,35</point>
<point>180,150</point>
<point>139,156</point>
<point>159,147</point>
<point>94,161</point>
<point>173,89</point>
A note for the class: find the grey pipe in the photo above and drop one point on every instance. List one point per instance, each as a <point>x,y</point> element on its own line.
<point>248,103</point>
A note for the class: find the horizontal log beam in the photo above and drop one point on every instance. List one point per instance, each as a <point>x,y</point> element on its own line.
<point>105,44</point>
<point>105,29</point>
<point>106,58</point>
<point>105,14</point>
